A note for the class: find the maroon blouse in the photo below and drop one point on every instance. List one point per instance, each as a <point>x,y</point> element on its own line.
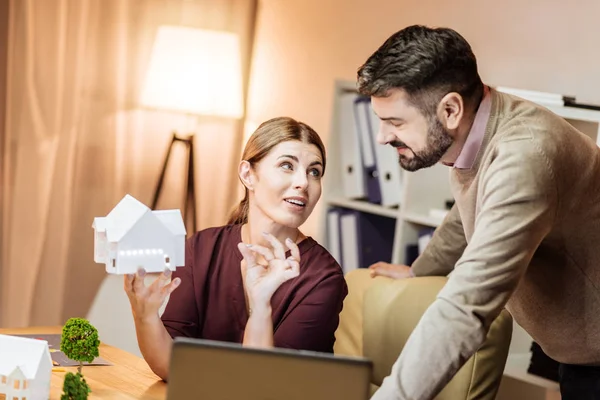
<point>210,301</point>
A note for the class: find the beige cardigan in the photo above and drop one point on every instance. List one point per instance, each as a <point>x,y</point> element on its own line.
<point>525,234</point>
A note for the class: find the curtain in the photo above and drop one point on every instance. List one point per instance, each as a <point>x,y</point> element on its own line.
<point>76,140</point>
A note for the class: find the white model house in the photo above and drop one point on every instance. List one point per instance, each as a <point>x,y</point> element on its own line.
<point>25,368</point>
<point>133,236</point>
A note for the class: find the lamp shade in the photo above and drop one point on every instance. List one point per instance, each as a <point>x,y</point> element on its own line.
<point>195,71</point>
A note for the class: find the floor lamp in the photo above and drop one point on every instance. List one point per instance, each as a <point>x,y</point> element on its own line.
<point>189,204</point>
<point>196,72</point>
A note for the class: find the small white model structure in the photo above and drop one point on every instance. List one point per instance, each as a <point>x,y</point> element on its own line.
<point>132,236</point>
<point>25,368</point>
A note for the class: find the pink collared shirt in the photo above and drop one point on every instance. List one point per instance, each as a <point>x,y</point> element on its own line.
<point>468,153</point>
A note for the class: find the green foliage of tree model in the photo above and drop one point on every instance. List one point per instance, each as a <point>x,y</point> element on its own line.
<point>75,387</point>
<point>79,341</point>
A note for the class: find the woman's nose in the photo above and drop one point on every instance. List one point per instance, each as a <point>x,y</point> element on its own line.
<point>300,180</point>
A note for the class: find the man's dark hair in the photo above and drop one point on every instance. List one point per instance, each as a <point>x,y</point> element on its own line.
<point>425,62</point>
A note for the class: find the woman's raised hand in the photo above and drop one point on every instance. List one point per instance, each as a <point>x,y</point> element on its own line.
<point>265,277</point>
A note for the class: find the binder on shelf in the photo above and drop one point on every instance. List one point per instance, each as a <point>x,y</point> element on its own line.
<point>364,238</point>
<point>349,226</point>
<point>334,241</point>
<point>362,106</point>
<point>376,238</point>
<point>413,250</point>
<point>388,167</point>
<point>353,173</point>
<point>425,236</point>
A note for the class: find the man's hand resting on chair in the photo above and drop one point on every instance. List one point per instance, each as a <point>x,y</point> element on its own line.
<point>393,271</point>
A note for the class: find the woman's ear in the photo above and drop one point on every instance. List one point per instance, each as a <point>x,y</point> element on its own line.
<point>246,174</point>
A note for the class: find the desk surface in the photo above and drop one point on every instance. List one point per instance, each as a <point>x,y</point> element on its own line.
<point>129,377</point>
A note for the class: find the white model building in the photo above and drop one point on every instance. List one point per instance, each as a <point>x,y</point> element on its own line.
<point>133,236</point>
<point>25,368</point>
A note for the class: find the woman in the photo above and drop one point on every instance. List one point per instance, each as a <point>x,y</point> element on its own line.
<point>240,282</point>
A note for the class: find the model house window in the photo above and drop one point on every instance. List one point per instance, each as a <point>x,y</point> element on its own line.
<point>3,379</point>
<point>17,385</point>
<point>24,387</point>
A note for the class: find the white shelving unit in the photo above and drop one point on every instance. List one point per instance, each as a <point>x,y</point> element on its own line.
<point>423,191</point>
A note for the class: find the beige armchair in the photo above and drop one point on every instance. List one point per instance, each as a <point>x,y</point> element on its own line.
<point>379,314</point>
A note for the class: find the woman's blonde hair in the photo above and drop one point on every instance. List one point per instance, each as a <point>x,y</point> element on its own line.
<point>268,135</point>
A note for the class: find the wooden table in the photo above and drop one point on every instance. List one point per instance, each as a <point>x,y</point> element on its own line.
<point>129,378</point>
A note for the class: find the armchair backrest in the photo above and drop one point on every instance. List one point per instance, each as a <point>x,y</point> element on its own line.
<point>382,313</point>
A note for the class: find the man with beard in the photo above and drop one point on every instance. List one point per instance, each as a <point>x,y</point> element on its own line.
<point>525,230</point>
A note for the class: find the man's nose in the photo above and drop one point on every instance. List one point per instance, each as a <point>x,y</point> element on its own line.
<point>384,136</point>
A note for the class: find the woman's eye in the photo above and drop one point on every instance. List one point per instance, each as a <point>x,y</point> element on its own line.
<point>315,172</point>
<point>286,165</point>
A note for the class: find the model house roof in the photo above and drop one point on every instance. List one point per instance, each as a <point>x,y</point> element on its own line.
<point>128,212</point>
<point>172,220</point>
<point>21,352</point>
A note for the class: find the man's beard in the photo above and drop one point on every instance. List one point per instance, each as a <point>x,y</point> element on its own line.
<point>438,142</point>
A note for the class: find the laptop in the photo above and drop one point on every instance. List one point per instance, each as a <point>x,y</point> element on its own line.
<point>211,370</point>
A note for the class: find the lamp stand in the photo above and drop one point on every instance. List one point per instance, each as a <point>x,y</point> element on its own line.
<point>190,195</point>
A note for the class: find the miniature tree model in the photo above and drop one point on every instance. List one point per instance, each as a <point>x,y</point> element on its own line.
<point>79,341</point>
<point>75,387</point>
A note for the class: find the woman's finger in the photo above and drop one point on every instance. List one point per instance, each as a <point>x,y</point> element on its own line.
<point>138,281</point>
<point>294,269</point>
<point>163,279</point>
<point>128,282</point>
<point>263,251</point>
<point>278,249</point>
<point>293,249</point>
<point>168,289</point>
<point>294,265</point>
<point>247,254</point>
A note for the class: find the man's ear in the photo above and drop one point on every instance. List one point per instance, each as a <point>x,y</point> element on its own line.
<point>451,110</point>
<point>246,174</point>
